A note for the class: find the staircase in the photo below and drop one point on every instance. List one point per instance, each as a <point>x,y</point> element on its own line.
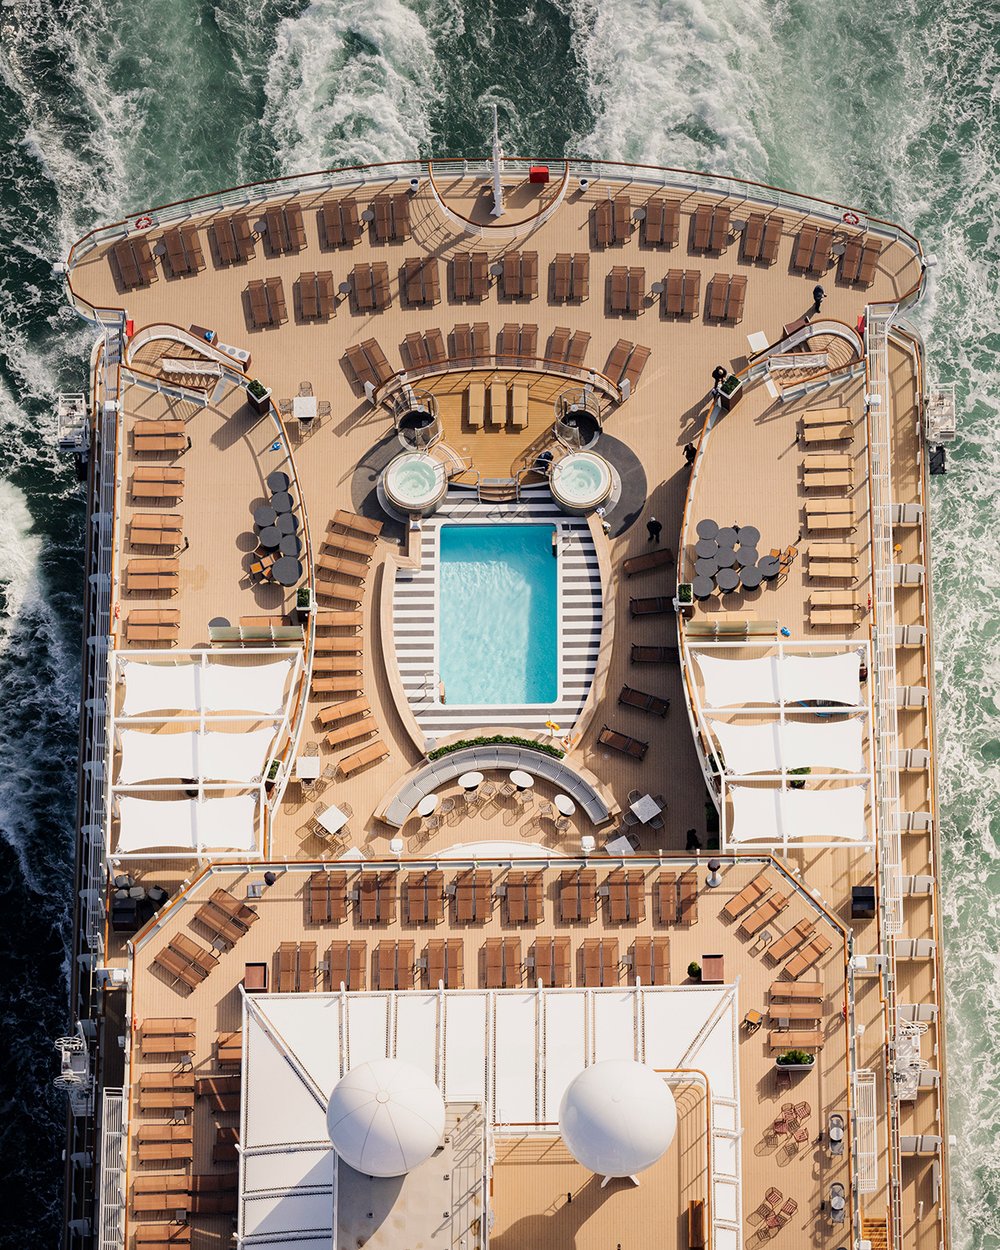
<point>498,490</point>
<point>874,1231</point>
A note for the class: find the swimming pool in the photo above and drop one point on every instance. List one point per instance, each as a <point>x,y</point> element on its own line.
<point>498,594</point>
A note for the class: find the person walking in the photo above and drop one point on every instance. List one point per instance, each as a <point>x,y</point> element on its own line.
<point>653,528</point>
<point>689,452</point>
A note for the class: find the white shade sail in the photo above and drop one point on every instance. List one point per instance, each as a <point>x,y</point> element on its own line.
<point>832,814</point>
<point>209,756</point>
<point>775,679</point>
<point>211,686</point>
<point>792,744</point>
<point>222,824</point>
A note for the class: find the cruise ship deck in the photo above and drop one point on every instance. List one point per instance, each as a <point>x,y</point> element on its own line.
<point>276,724</point>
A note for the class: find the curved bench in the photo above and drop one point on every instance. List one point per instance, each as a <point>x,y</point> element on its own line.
<point>398,809</point>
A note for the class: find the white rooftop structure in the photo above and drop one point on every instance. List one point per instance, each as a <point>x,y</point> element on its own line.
<point>385,1117</point>
<point>617,1117</point>
<point>512,1053</point>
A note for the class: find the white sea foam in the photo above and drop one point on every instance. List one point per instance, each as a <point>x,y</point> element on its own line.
<point>349,82</point>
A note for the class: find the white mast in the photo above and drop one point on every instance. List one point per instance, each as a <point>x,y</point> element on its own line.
<point>497,209</point>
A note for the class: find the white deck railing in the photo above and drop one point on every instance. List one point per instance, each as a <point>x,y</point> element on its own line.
<point>110,1213</point>
<point>865,1132</point>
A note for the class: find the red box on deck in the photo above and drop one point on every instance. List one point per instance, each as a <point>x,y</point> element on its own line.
<point>538,173</point>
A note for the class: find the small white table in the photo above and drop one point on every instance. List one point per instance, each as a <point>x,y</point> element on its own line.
<point>758,341</point>
<point>427,805</point>
<point>620,846</point>
<point>646,807</point>
<point>304,407</point>
<point>588,844</point>
<point>332,820</point>
<point>836,1132</point>
<point>521,779</point>
<point>470,781</point>
<point>307,767</point>
<point>564,805</point>
<point>396,846</point>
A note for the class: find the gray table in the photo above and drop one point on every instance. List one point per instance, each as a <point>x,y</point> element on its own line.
<point>281,501</point>
<point>264,516</point>
<point>727,580</point>
<point>269,537</point>
<point>287,523</point>
<point>706,549</point>
<point>726,537</point>
<point>702,587</point>
<point>749,535</point>
<point>706,567</point>
<point>707,528</point>
<point>290,545</point>
<point>746,557</point>
<point>770,566</point>
<point>286,571</point>
<point>725,557</point>
<point>277,480</point>
<point>751,578</point>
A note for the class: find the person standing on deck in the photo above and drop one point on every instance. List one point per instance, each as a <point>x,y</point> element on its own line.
<point>653,528</point>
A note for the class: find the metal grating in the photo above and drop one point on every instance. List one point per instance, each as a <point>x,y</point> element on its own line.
<point>865,1132</point>
<point>111,1191</point>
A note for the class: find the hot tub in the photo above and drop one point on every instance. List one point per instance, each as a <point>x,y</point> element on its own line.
<point>415,483</point>
<point>580,482</point>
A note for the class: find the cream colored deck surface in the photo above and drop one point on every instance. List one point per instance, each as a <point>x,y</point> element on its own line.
<point>804,1173</point>
<point>748,471</point>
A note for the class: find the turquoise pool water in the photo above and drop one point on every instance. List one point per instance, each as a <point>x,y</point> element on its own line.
<point>497,614</point>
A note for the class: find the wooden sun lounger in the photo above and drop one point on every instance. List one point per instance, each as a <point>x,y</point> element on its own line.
<point>461,342</point>
<point>260,314</point>
<point>578,894</point>
<point>650,961</point>
<point>348,964</point>
<point>805,245</point>
<point>816,479</point>
<point>618,289</point>
<point>753,237</point>
<point>657,605</point>
<point>702,228</point>
<point>549,962</point>
<point>327,894</point>
<point>561,276</point>
<point>828,433</point>
<point>657,559</point>
<point>655,704</point>
<point>600,962</point>
<point>340,711</point>
<point>475,405</point>
<point>481,340</point>
<point>616,741</point>
<point>371,753</point>
<point>580,278</point>
<point>602,219</point>
<point>780,1012</point>
<point>673,294</point>
<point>763,914</point>
<point>507,344</point>
<point>444,963</point>
<point>661,226</point>
<point>616,360</point>
<point>577,350</point>
<point>813,951</point>
<point>835,599</point>
<point>497,414</point>
<point>523,897</point>
<point>692,290</point>
<point>772,238</point>
<point>622,218</point>
<point>276,300</point>
<point>351,543</point>
<point>687,898</point>
<point>736,297</point>
<point>635,366</point>
<point>833,616</point>
<point>869,260</point>
<point>797,989</point>
<point>748,896</point>
<point>779,1039</point>
<point>153,1236</point>
<point>558,343</point>
<point>720,228</point>
<point>518,418</point>
<point>654,655</point>
<point>718,293</point>
<point>470,275</point>
<point>814,417</point>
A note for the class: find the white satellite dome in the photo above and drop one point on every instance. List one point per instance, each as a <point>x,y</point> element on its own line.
<point>385,1117</point>
<point>617,1117</point>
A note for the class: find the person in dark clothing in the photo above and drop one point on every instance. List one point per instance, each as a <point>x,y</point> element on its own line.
<point>689,453</point>
<point>653,528</point>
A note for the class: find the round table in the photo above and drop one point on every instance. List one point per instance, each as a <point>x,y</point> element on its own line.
<point>707,528</point>
<point>286,570</point>
<point>749,535</point>
<point>290,545</point>
<point>751,578</point>
<point>277,480</point>
<point>702,587</point>
<point>269,537</point>
<point>770,566</point>
<point>281,501</point>
<point>706,568</point>
<point>264,516</point>
<point>746,557</point>
<point>726,557</point>
<point>470,781</point>
<point>727,580</point>
<point>726,537</point>
<point>521,779</point>
<point>588,844</point>
<point>706,548</point>
<point>287,523</point>
<point>427,805</point>
<point>564,804</point>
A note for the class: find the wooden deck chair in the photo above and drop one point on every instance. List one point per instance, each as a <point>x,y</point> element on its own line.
<point>718,296</point>
<point>805,245</point>
<point>578,345</point>
<point>635,366</point>
<point>692,290</point>
<point>497,414</point>
<point>481,340</point>
<point>476,402</point>
<point>622,218</point>
<point>720,228</point>
<point>617,359</point>
<point>580,284</point>
<point>673,294</point>
<point>753,237</point>
<point>518,418</point>
<point>558,343</point>
<point>869,259</point>
<point>736,297</point>
<point>702,228</point>
<point>772,238</point>
<point>461,342</point>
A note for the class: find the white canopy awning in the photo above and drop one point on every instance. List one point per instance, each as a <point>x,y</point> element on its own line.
<point>210,686</point>
<point>833,814</point>
<point>225,824</point>
<point>775,746</point>
<point>776,679</point>
<point>209,756</point>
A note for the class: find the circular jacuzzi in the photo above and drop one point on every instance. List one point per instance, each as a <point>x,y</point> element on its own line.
<point>581,482</point>
<point>415,483</point>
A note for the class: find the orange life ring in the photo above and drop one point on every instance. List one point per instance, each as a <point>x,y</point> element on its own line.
<point>143,223</point>
<point>852,219</point>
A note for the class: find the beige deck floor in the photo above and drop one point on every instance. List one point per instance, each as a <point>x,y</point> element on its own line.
<point>749,467</point>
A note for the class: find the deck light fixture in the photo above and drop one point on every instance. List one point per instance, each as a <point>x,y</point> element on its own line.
<point>713,873</point>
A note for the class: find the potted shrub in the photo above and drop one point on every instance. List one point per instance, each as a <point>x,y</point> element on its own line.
<point>796,1060</point>
<point>694,970</point>
<point>798,785</point>
<point>272,775</point>
<point>731,392</point>
<point>304,601</point>
<point>684,600</point>
<point>258,396</point>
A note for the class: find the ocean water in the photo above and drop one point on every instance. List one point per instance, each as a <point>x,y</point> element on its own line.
<point>107,108</point>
